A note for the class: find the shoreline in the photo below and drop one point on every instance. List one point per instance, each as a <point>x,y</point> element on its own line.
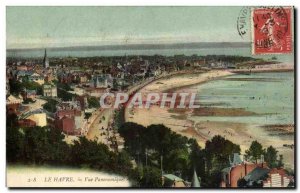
<point>263,70</point>
<point>183,81</point>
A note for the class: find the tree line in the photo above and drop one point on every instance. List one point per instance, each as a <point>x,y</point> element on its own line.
<point>148,152</point>
<point>162,150</point>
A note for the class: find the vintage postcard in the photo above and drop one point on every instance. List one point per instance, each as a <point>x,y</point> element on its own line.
<point>150,97</point>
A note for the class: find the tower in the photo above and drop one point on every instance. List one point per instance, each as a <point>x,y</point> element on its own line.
<point>46,61</point>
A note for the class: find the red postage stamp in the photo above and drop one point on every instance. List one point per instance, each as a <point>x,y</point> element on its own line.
<point>272,30</point>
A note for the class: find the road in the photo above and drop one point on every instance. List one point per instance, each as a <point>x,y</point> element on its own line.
<point>100,128</point>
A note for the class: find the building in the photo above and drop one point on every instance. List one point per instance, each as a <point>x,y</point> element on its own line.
<point>64,77</point>
<point>67,125</point>
<point>96,92</point>
<point>35,77</point>
<point>199,63</point>
<point>170,180</point>
<point>117,71</point>
<point>49,77</point>
<point>254,178</point>
<point>26,123</point>
<point>29,94</point>
<point>22,67</point>
<point>102,81</point>
<point>13,100</point>
<point>144,66</point>
<point>13,108</point>
<point>156,71</point>
<point>20,74</point>
<point>278,178</point>
<point>49,90</point>
<point>82,101</point>
<point>267,178</point>
<point>46,60</point>
<point>237,170</point>
<point>69,105</point>
<point>79,77</point>
<point>70,121</point>
<point>38,116</point>
<point>248,174</point>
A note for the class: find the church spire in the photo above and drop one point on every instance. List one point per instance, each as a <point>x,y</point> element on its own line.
<point>46,61</point>
<point>195,180</point>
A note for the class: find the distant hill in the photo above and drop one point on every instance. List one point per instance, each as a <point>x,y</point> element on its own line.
<point>149,46</point>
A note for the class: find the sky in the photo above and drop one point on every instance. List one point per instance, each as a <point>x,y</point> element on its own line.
<point>37,27</point>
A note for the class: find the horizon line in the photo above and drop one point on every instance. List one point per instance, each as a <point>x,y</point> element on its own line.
<point>134,46</point>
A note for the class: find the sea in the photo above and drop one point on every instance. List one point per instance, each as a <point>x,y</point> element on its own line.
<point>269,95</point>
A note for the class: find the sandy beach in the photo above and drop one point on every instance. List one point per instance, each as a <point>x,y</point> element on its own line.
<point>182,121</point>
<point>170,117</point>
<point>177,81</point>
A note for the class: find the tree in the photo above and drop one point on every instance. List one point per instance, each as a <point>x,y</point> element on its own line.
<point>28,100</point>
<point>33,86</point>
<point>255,151</point>
<point>154,137</point>
<point>136,175</point>
<point>36,145</point>
<point>15,87</point>
<point>161,141</point>
<point>87,115</point>
<point>92,154</point>
<point>271,157</point>
<point>50,106</point>
<point>64,86</point>
<point>178,160</point>
<point>14,144</point>
<point>115,84</point>
<point>11,120</point>
<point>242,183</point>
<point>44,145</point>
<point>280,161</point>
<point>197,159</point>
<point>151,178</point>
<point>217,152</point>
<point>132,134</point>
<point>93,102</point>
<point>124,164</point>
<point>64,95</point>
<point>58,148</point>
<point>159,137</point>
